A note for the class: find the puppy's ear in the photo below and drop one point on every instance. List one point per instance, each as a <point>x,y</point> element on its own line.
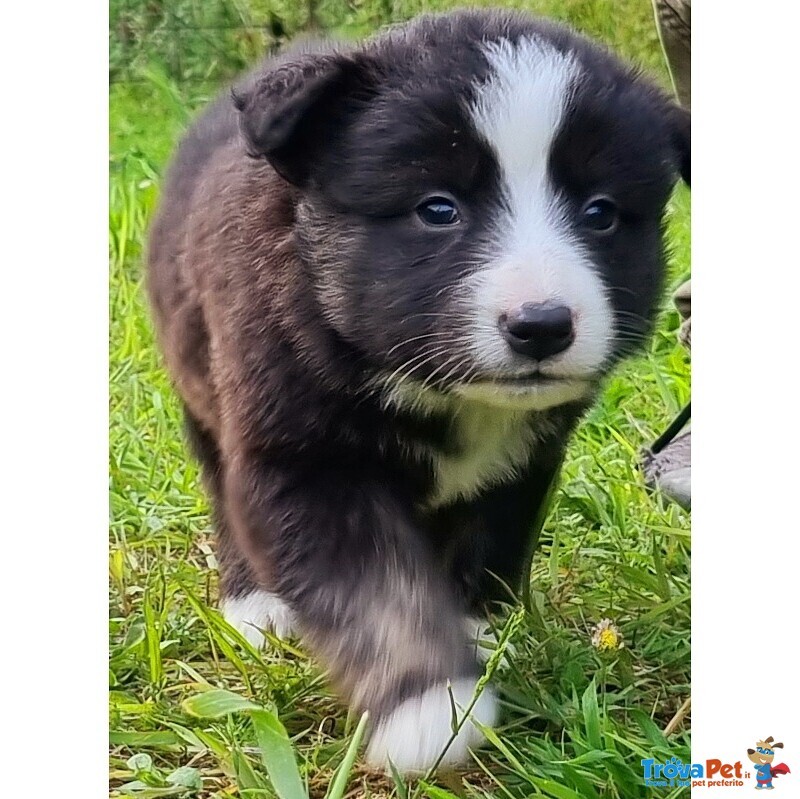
<point>680,121</point>
<point>291,111</point>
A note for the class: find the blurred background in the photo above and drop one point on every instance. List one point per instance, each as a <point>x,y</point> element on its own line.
<point>207,41</point>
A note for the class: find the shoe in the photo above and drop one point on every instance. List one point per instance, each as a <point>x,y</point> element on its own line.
<point>674,22</point>
<point>670,470</point>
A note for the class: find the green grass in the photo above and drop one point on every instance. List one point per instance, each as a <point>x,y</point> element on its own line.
<point>576,721</point>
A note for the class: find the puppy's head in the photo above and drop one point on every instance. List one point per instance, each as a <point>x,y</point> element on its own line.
<point>480,201</point>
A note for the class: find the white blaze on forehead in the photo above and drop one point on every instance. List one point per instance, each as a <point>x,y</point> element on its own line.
<point>533,255</point>
<point>519,112</point>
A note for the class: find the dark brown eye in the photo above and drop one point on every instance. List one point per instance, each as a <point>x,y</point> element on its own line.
<point>600,215</point>
<point>438,211</point>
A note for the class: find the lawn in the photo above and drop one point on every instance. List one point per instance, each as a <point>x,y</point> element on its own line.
<point>576,720</point>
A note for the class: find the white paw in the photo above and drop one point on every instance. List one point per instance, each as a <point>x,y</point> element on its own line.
<point>257,611</point>
<point>417,731</point>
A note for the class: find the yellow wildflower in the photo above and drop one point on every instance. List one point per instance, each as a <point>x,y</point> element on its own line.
<point>606,636</point>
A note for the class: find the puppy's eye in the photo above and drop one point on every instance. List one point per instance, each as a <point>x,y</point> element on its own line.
<point>600,215</point>
<point>438,211</point>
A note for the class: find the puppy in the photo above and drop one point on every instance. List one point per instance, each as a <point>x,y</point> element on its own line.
<point>388,280</point>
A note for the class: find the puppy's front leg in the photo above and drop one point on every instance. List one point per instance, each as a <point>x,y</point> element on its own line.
<point>357,573</point>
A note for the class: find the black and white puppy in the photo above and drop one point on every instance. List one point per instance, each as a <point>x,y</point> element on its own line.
<point>387,281</point>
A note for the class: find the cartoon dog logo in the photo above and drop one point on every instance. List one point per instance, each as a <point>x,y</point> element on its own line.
<point>762,756</point>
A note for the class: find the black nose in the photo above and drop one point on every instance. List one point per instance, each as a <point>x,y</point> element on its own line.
<point>538,330</point>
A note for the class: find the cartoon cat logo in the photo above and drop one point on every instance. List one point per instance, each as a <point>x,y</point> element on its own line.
<point>762,756</point>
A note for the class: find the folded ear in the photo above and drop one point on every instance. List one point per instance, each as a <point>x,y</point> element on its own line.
<point>288,113</point>
<point>681,131</point>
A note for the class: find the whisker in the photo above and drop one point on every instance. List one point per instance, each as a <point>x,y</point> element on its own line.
<point>416,338</point>
<point>427,358</point>
<point>429,379</point>
<point>403,365</point>
<point>456,368</point>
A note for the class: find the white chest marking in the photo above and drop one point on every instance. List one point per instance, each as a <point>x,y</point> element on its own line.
<point>490,445</point>
<point>486,444</point>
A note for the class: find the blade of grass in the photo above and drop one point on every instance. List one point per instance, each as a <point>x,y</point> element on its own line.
<point>277,755</point>
<point>153,636</point>
<point>435,792</point>
<point>339,783</point>
<point>216,703</point>
<point>591,716</point>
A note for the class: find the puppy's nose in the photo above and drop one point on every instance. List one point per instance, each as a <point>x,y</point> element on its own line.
<point>538,330</point>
